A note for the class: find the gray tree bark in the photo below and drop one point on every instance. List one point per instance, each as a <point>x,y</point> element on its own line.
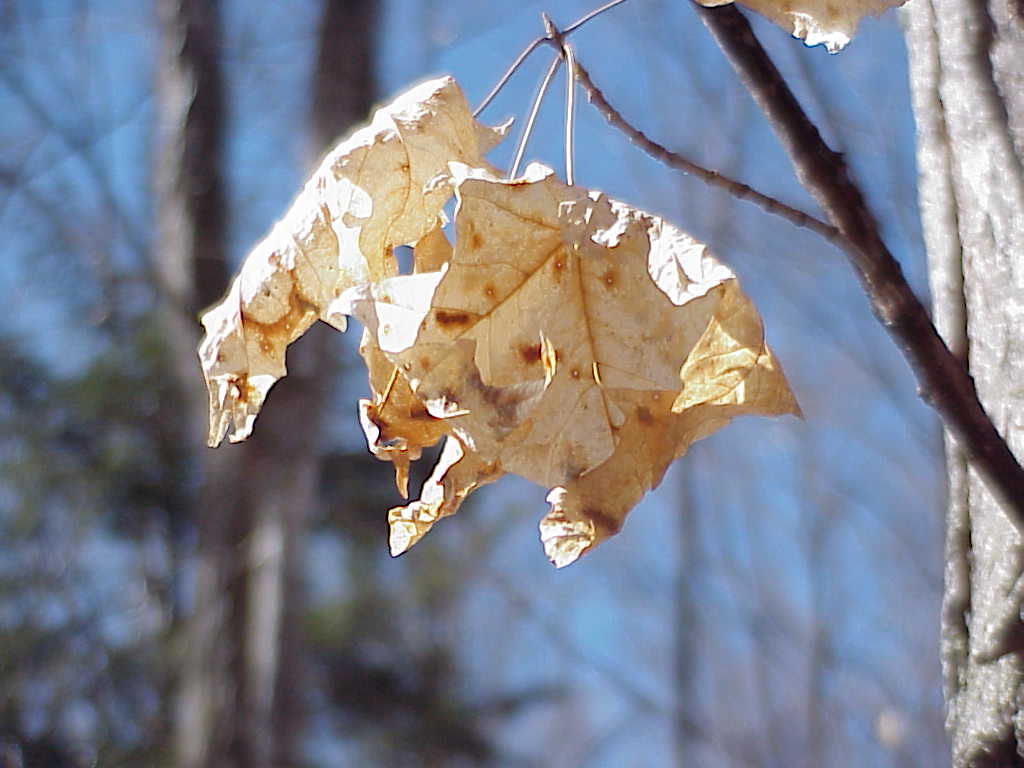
<point>241,693</point>
<point>967,79</point>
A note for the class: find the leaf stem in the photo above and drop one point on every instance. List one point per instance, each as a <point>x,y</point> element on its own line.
<point>545,84</point>
<point>570,108</point>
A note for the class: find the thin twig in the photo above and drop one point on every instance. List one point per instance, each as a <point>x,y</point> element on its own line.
<point>533,46</point>
<point>739,190</point>
<point>507,76</point>
<point>533,116</point>
<point>556,39</point>
<point>676,161</point>
<point>587,17</point>
<point>943,381</point>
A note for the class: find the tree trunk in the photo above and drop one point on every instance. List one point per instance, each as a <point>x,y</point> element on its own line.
<point>241,691</point>
<point>190,269</point>
<point>343,90</point>
<point>967,79</point>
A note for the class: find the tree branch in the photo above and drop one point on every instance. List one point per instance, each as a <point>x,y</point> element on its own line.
<point>943,381</point>
<point>673,160</point>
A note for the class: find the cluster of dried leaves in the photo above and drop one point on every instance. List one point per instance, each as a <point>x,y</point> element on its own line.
<point>565,337</point>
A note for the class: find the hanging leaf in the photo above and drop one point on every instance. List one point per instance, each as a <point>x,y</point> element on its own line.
<point>370,194</point>
<point>397,424</point>
<point>572,340</point>
<point>831,23</point>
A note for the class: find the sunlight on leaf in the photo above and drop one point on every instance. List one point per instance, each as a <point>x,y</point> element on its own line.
<point>574,341</point>
<point>565,337</point>
<point>371,193</point>
<point>831,23</point>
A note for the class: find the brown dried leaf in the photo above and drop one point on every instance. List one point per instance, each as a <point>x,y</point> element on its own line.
<point>457,474</point>
<point>572,340</point>
<point>372,192</point>
<point>831,23</point>
<point>432,252</point>
<point>396,423</point>
<point>724,376</point>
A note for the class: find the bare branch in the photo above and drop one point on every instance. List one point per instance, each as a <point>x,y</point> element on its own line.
<point>677,162</point>
<point>943,381</point>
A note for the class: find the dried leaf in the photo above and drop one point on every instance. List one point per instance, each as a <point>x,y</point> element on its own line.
<point>396,423</point>
<point>572,340</point>
<point>457,474</point>
<point>432,252</point>
<point>831,23</point>
<point>374,191</point>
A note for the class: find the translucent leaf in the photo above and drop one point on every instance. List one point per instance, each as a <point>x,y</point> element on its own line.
<point>372,192</point>
<point>572,340</point>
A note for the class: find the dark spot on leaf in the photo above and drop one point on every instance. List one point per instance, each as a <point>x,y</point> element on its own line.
<point>505,401</point>
<point>530,353</point>
<point>644,415</point>
<point>573,471</point>
<point>448,319</point>
<point>575,373</point>
<point>489,291</point>
<point>419,411</point>
<point>244,389</point>
<point>604,522</point>
<point>476,241</point>
<point>425,363</point>
<point>610,278</point>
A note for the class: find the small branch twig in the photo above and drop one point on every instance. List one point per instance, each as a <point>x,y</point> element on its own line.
<point>943,381</point>
<point>556,39</point>
<point>676,161</point>
<point>533,46</point>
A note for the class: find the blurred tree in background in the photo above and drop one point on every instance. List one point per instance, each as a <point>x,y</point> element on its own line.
<point>774,603</point>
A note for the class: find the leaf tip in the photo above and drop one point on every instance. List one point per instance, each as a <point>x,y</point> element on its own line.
<point>565,540</point>
<point>402,536</point>
<point>235,401</point>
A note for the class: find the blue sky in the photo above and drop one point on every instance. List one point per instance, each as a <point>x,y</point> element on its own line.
<point>832,521</point>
